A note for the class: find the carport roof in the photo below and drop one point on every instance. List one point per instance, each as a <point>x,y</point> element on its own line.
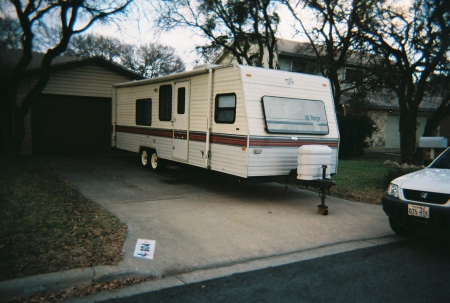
<point>10,57</point>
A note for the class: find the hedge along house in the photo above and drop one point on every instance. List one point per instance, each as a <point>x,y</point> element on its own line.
<point>383,108</point>
<point>73,114</point>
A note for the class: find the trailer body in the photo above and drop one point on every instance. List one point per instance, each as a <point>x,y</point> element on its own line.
<point>240,120</point>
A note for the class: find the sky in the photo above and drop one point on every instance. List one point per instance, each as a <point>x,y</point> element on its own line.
<point>138,28</point>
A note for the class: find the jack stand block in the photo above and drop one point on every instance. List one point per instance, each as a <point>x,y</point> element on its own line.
<point>322,209</point>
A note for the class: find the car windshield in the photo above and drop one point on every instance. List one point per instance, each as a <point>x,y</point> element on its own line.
<point>443,161</point>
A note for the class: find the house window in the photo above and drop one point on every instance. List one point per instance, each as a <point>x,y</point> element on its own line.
<point>181,102</point>
<point>306,66</point>
<point>144,112</point>
<point>225,108</point>
<point>284,64</point>
<point>352,75</point>
<point>165,102</point>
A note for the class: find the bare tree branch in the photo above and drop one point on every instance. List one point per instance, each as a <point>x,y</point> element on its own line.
<point>32,12</point>
<point>244,29</point>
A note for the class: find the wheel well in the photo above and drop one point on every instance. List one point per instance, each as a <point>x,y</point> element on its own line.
<point>149,149</point>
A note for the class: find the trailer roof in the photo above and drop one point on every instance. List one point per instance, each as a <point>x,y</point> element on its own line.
<point>204,70</point>
<point>197,71</point>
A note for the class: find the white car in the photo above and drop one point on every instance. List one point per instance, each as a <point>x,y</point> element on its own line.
<point>421,200</point>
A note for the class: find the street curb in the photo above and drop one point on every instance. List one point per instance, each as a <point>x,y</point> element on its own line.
<point>201,275</point>
<point>46,282</point>
<point>80,277</point>
<point>84,277</point>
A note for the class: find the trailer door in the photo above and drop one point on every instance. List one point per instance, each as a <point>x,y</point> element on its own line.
<point>181,121</point>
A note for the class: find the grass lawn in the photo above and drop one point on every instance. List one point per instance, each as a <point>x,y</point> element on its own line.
<point>46,225</point>
<point>363,179</point>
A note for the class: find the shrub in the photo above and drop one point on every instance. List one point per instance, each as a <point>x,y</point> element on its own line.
<point>354,130</point>
<point>396,172</point>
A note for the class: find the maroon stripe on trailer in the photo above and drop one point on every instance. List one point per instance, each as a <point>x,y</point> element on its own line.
<point>273,142</point>
<point>219,138</point>
<point>197,136</point>
<point>229,139</point>
<point>225,139</point>
<point>145,131</point>
<point>180,134</point>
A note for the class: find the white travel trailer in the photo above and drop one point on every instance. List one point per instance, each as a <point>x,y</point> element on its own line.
<point>240,120</point>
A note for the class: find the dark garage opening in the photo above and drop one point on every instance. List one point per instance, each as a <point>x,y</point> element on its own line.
<point>64,125</point>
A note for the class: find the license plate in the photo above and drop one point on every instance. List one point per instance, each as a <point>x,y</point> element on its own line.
<point>419,211</point>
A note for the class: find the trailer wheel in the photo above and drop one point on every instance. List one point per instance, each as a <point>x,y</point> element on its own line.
<point>156,164</point>
<point>144,158</point>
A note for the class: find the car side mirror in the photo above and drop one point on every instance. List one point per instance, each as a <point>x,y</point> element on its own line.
<point>427,161</point>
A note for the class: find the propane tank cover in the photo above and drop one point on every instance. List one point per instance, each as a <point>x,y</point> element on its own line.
<point>311,158</point>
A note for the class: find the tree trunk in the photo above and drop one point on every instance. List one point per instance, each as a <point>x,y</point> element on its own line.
<point>7,108</point>
<point>19,113</point>
<point>8,103</point>
<point>336,89</point>
<point>408,129</point>
<point>5,128</point>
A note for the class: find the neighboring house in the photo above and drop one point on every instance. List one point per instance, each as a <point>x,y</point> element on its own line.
<point>382,108</point>
<point>73,114</point>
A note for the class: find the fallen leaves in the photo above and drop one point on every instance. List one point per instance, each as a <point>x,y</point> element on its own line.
<point>46,225</point>
<point>73,292</point>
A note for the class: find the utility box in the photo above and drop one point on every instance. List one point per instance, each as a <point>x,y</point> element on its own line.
<point>433,142</point>
<point>311,159</point>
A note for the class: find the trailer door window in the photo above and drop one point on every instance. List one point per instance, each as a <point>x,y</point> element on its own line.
<point>295,116</point>
<point>144,112</point>
<point>165,102</point>
<point>225,108</point>
<point>181,104</point>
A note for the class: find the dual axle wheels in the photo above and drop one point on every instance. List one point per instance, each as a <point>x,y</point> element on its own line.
<point>149,158</point>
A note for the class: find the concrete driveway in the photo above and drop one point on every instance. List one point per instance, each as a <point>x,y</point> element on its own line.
<point>203,220</point>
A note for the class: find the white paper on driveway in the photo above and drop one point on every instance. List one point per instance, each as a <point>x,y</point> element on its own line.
<point>144,249</point>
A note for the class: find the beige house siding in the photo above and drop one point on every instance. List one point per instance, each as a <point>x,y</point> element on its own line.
<point>92,81</point>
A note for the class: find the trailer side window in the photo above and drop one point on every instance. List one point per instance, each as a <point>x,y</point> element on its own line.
<point>144,112</point>
<point>225,108</point>
<point>165,102</point>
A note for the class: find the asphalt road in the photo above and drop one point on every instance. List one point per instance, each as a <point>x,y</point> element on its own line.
<point>414,270</point>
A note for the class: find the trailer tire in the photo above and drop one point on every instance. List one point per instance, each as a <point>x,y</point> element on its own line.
<point>145,157</point>
<point>155,163</point>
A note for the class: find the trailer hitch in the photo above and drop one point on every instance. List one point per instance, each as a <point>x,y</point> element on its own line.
<point>323,185</point>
